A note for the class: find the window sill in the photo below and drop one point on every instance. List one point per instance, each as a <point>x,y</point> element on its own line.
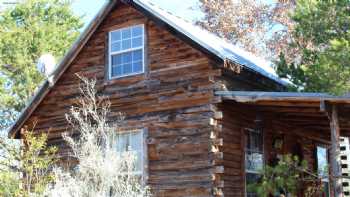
<point>124,79</point>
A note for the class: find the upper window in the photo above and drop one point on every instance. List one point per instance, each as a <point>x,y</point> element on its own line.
<point>126,51</point>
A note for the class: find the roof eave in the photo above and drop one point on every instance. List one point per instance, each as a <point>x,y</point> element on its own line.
<point>257,96</point>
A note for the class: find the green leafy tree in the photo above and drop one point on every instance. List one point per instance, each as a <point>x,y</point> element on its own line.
<point>28,30</point>
<point>25,170</point>
<point>289,176</point>
<point>322,33</point>
<point>8,184</point>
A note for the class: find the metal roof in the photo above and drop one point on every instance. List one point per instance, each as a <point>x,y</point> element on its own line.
<point>218,46</point>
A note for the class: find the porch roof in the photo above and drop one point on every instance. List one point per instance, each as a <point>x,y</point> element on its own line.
<point>304,110</point>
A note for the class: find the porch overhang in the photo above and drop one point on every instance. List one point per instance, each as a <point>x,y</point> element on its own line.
<point>304,110</point>
<point>316,112</point>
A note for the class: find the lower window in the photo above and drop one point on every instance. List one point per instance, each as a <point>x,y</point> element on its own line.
<point>322,169</point>
<point>254,157</point>
<point>133,141</point>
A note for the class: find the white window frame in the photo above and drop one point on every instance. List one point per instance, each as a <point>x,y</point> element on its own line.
<point>110,53</point>
<point>323,179</point>
<point>143,151</point>
<point>249,150</point>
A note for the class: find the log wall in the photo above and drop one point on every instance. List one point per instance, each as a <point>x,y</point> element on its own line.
<point>172,100</point>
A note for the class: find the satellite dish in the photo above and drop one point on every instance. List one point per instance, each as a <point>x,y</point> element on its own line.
<point>46,64</point>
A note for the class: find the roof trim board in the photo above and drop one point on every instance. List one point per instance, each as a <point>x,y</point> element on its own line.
<point>256,96</point>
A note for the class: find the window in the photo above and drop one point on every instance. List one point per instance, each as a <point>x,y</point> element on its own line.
<point>254,156</point>
<point>133,141</point>
<point>322,169</point>
<point>126,52</point>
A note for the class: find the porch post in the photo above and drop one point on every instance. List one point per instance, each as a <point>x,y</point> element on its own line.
<point>335,152</point>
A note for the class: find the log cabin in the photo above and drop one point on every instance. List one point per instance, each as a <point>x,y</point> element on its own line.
<point>204,114</point>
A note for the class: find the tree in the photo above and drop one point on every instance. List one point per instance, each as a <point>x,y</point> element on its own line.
<point>288,177</point>
<point>28,30</point>
<point>101,169</point>
<point>261,27</point>
<point>9,184</point>
<point>322,33</point>
<point>26,171</point>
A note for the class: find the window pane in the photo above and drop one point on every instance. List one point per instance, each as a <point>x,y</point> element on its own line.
<point>138,162</point>
<point>122,143</point>
<point>137,42</point>
<point>254,161</point>
<point>116,46</point>
<point>137,55</point>
<point>126,44</point>
<point>137,66</point>
<point>126,57</point>
<point>322,162</point>
<point>137,31</point>
<point>116,60</point>
<point>126,33</point>
<point>127,68</point>
<point>129,62</point>
<point>136,141</point>
<point>254,141</point>
<point>115,36</point>
<point>117,70</point>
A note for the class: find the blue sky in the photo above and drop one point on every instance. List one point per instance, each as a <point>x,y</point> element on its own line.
<point>187,9</point>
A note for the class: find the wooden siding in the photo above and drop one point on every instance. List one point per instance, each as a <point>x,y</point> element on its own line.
<point>231,125</point>
<point>172,100</point>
